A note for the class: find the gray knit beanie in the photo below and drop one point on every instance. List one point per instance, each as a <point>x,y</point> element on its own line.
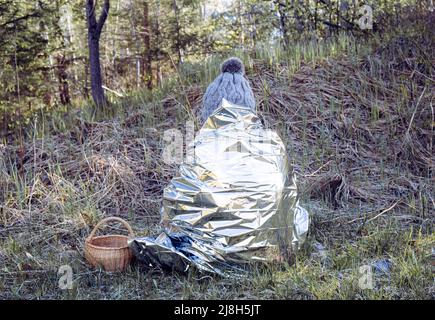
<point>231,85</point>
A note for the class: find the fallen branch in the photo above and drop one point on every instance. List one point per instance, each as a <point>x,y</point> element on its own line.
<point>378,215</point>
<point>113,91</point>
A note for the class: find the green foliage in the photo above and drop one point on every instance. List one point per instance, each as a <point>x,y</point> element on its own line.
<point>29,36</point>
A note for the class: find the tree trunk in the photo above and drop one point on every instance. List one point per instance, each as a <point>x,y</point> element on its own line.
<point>177,30</point>
<point>86,73</point>
<point>94,32</point>
<point>282,21</point>
<point>95,70</point>
<point>158,45</point>
<point>147,72</point>
<point>242,29</point>
<point>134,38</point>
<point>62,77</point>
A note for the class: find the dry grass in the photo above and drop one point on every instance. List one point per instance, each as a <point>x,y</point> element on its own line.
<point>359,133</point>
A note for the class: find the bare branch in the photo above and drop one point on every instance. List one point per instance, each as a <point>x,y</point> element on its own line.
<point>103,16</point>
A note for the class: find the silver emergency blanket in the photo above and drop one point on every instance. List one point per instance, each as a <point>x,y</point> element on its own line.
<point>233,202</point>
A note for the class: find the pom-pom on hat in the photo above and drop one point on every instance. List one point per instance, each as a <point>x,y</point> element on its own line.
<point>233,65</point>
<point>230,85</point>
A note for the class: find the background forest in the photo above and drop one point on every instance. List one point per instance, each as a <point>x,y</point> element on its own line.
<point>45,60</point>
<point>87,89</point>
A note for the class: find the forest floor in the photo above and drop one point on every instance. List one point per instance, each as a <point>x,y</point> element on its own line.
<point>359,132</point>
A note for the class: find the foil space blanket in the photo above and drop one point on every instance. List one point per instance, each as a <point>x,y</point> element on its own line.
<point>233,202</point>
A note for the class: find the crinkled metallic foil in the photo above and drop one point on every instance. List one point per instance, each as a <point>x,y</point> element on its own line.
<point>234,200</point>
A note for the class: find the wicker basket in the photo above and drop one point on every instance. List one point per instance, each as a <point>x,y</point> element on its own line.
<point>110,251</point>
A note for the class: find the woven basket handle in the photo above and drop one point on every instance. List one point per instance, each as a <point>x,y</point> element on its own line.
<point>105,220</point>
